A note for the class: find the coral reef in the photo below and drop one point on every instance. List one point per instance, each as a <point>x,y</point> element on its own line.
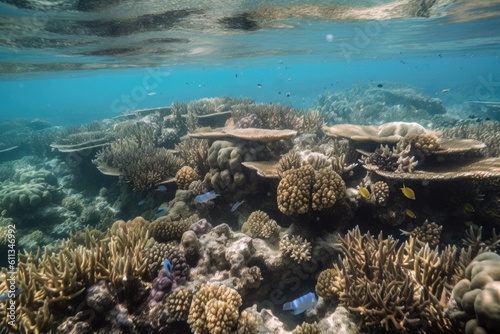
<point>178,303</point>
<point>303,189</point>
<point>185,176</point>
<point>296,248</point>
<point>381,192</point>
<point>395,287</point>
<point>429,233</point>
<point>307,328</point>
<point>214,309</point>
<point>259,225</point>
<point>479,293</point>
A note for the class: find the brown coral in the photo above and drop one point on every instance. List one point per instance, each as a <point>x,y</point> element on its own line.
<point>250,321</point>
<point>381,192</point>
<point>426,233</point>
<point>178,304</point>
<point>259,225</point>
<point>303,189</point>
<point>330,283</point>
<point>194,152</point>
<point>214,309</point>
<point>164,229</point>
<point>296,248</point>
<point>307,328</point>
<point>185,176</point>
<point>426,143</point>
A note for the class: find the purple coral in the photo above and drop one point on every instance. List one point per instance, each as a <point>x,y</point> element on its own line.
<point>201,227</point>
<point>163,284</point>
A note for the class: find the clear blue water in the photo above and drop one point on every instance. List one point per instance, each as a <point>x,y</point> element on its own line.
<point>54,66</point>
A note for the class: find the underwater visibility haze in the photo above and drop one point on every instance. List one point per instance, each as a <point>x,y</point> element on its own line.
<point>249,167</point>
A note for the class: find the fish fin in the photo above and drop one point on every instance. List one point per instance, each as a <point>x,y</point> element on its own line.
<point>287,306</point>
<point>298,311</point>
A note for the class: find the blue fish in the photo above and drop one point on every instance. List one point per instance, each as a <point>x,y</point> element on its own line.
<point>236,205</point>
<point>160,212</point>
<point>203,198</point>
<point>161,188</point>
<point>9,294</point>
<point>301,304</point>
<point>141,202</point>
<point>168,266</point>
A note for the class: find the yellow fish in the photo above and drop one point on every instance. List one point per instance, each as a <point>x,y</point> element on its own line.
<point>364,192</point>
<point>410,214</point>
<point>468,207</point>
<point>408,192</point>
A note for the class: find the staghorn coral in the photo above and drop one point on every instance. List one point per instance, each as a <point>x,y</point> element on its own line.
<point>214,309</point>
<point>474,241</point>
<point>194,152</point>
<point>330,283</point>
<point>307,328</point>
<point>178,304</point>
<point>398,287</point>
<point>296,248</point>
<point>49,278</point>
<point>426,233</point>
<point>380,191</point>
<point>259,225</point>
<point>250,321</point>
<point>487,132</point>
<point>139,162</point>
<point>478,293</point>
<point>303,189</point>
<point>185,176</point>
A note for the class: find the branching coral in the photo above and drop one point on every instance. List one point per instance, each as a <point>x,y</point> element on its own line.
<point>307,328</point>
<point>303,189</point>
<point>330,283</point>
<point>380,190</point>
<point>259,225</point>
<point>296,248</point>
<point>487,132</point>
<point>396,287</point>
<point>194,152</point>
<point>424,143</point>
<point>250,321</point>
<point>214,309</point>
<point>140,163</point>
<point>48,278</point>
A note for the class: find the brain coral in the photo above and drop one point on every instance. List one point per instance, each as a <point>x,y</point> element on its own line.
<point>214,309</point>
<point>259,225</point>
<point>479,293</point>
<point>18,197</point>
<point>302,189</point>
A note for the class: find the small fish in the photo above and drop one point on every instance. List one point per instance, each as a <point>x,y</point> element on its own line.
<point>471,224</point>
<point>141,202</point>
<point>167,265</point>
<point>152,94</point>
<point>472,116</point>
<point>259,85</point>
<point>380,85</point>
<point>160,212</point>
<point>445,90</point>
<point>469,208</point>
<point>9,294</point>
<point>410,213</point>
<point>161,188</point>
<point>203,198</point>
<point>301,304</point>
<point>408,192</point>
<point>364,192</point>
<point>236,205</point>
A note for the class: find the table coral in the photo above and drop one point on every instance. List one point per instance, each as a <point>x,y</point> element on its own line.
<point>303,189</point>
<point>214,309</point>
<point>259,225</point>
